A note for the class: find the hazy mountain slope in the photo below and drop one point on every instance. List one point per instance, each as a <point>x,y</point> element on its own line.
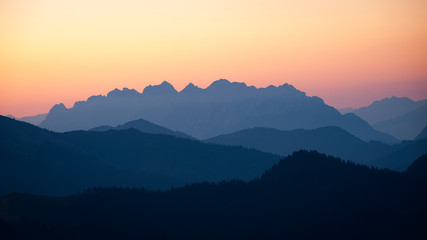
<point>328,140</point>
<point>35,120</point>
<point>388,108</point>
<point>422,134</point>
<point>305,196</point>
<point>402,155</point>
<point>143,126</point>
<point>39,161</point>
<point>405,127</point>
<point>221,108</point>
<point>188,160</point>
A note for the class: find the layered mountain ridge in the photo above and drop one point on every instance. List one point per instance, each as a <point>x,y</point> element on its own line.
<point>221,108</point>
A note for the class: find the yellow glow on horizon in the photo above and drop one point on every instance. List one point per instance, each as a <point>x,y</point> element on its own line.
<point>55,51</point>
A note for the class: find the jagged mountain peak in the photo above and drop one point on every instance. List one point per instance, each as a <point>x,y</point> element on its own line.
<point>191,88</point>
<point>162,89</point>
<point>58,107</point>
<point>126,92</point>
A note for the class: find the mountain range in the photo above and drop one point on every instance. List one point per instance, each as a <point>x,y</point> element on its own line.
<point>223,107</point>
<point>35,160</point>
<point>407,126</point>
<point>39,161</point>
<point>402,117</point>
<point>388,108</point>
<point>329,140</point>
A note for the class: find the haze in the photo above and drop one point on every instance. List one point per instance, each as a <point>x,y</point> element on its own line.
<point>347,52</point>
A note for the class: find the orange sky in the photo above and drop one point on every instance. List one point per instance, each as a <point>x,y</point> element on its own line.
<point>349,52</point>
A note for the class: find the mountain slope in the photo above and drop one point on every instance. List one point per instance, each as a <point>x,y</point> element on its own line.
<point>402,155</point>
<point>143,126</point>
<point>422,134</point>
<point>35,120</point>
<point>38,161</point>
<point>221,108</point>
<point>405,127</point>
<point>328,140</point>
<point>388,108</point>
<point>305,196</point>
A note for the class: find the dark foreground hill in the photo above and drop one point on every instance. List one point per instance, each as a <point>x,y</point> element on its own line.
<point>329,140</point>
<point>305,196</point>
<point>38,161</point>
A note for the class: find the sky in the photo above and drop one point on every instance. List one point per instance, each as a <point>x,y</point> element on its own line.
<point>348,52</point>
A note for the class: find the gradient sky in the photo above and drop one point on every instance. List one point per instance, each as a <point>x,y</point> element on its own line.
<point>348,52</point>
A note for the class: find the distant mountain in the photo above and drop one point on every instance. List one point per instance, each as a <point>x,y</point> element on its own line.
<point>329,140</point>
<point>422,134</point>
<point>405,127</point>
<point>38,161</point>
<point>143,126</point>
<point>223,107</point>
<point>305,196</point>
<point>388,108</point>
<point>35,120</point>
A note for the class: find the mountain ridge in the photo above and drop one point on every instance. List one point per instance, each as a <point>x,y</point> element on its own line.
<point>39,161</point>
<point>328,140</point>
<point>220,108</point>
<point>143,126</point>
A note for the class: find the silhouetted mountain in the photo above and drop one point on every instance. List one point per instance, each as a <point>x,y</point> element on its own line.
<point>221,108</point>
<point>35,160</point>
<point>328,140</point>
<point>419,168</point>
<point>35,120</point>
<point>422,135</point>
<point>305,196</point>
<point>163,89</point>
<point>191,89</point>
<point>402,155</point>
<point>143,126</point>
<point>405,127</point>
<point>388,108</point>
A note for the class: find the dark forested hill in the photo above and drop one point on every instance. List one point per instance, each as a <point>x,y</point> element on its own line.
<point>305,196</point>
<point>35,160</point>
